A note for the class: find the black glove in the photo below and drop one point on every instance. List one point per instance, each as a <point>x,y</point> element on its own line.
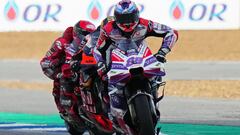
<point>75,65</point>
<point>160,58</point>
<point>161,54</point>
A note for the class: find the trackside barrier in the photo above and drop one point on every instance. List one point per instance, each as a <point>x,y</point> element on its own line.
<point>52,15</point>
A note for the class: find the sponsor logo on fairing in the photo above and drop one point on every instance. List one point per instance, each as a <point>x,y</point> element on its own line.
<point>134,60</point>
<point>118,66</point>
<point>150,61</point>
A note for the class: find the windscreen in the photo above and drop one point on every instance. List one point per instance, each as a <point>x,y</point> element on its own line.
<point>127,46</point>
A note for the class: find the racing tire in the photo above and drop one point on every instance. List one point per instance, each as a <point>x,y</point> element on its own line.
<point>72,130</point>
<point>143,115</point>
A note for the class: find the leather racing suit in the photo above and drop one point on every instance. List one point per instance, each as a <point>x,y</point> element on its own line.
<point>111,33</point>
<point>52,62</point>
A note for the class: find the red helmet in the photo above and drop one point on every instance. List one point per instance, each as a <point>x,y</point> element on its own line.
<point>83,28</point>
<point>126,15</point>
<point>68,34</point>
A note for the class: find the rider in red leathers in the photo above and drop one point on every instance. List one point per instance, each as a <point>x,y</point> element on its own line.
<point>56,66</point>
<point>51,64</point>
<point>81,30</point>
<point>128,25</point>
<point>69,80</point>
<point>88,49</point>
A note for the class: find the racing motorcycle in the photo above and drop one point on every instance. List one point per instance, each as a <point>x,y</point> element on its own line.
<point>92,105</point>
<point>136,72</point>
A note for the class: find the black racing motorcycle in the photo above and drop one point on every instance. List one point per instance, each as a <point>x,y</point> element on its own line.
<point>92,101</point>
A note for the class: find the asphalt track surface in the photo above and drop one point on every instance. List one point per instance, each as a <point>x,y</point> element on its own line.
<point>173,109</point>
<point>30,71</point>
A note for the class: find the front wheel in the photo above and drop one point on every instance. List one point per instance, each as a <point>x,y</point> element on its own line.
<point>143,115</point>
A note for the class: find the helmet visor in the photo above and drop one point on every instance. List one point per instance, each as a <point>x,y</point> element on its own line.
<point>80,31</point>
<point>127,18</point>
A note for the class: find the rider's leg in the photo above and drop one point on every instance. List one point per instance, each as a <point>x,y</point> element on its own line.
<point>69,101</point>
<point>67,97</point>
<point>118,108</point>
<point>56,95</point>
<point>155,83</point>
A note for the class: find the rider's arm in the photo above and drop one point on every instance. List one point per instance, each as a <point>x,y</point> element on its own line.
<point>70,50</point>
<point>53,58</point>
<point>85,46</point>
<point>168,34</point>
<point>103,43</point>
<point>99,51</point>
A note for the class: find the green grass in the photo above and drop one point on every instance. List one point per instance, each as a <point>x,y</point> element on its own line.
<point>166,128</point>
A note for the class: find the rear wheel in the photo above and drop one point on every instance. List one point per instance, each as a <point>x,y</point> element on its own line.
<point>97,132</point>
<point>73,130</point>
<point>144,116</point>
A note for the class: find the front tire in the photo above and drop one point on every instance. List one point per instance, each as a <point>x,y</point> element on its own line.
<point>144,116</point>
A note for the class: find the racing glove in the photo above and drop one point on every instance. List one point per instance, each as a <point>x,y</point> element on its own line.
<point>161,55</point>
<point>75,65</point>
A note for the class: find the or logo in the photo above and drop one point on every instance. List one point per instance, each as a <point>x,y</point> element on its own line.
<point>177,9</point>
<point>95,10</point>
<point>11,10</point>
<point>32,12</point>
<point>199,11</point>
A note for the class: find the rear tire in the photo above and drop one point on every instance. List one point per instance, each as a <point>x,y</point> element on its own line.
<point>72,130</point>
<point>144,116</point>
<point>97,132</point>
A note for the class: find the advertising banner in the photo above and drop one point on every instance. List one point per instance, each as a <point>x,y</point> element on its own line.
<point>52,15</point>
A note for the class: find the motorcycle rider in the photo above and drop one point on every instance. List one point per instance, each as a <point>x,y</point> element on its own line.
<point>84,64</point>
<point>88,48</point>
<point>52,61</point>
<point>69,81</point>
<point>56,66</point>
<point>89,45</point>
<point>128,25</point>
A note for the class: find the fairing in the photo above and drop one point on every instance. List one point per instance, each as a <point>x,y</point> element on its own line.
<point>128,55</point>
